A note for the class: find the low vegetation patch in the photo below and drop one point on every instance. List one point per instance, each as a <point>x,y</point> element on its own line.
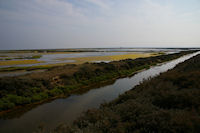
<point>18,62</point>
<point>34,57</point>
<point>18,58</point>
<point>81,60</point>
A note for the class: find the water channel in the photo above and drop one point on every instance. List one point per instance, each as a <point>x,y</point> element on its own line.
<point>66,110</point>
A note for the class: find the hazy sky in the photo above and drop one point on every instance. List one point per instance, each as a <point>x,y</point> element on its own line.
<point>28,24</point>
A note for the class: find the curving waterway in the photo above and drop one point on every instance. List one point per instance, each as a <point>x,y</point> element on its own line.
<point>66,110</point>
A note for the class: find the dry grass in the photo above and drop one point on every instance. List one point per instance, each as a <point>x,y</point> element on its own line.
<point>18,62</point>
<point>81,60</point>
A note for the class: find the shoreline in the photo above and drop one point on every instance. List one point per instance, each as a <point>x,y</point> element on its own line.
<point>89,87</point>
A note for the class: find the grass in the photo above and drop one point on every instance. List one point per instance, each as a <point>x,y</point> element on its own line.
<point>17,58</point>
<point>19,62</point>
<point>82,60</point>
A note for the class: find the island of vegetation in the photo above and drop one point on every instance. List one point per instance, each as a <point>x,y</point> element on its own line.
<point>168,103</point>
<point>31,63</point>
<point>62,81</point>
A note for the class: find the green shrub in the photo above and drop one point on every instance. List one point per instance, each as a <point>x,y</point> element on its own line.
<point>55,92</point>
<point>36,98</point>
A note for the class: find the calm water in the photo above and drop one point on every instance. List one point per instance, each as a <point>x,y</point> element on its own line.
<point>68,109</point>
<point>55,58</point>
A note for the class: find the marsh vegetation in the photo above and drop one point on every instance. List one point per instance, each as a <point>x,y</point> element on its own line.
<point>66,80</point>
<point>34,59</point>
<point>168,103</point>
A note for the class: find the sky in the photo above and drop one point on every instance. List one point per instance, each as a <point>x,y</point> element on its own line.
<point>35,24</point>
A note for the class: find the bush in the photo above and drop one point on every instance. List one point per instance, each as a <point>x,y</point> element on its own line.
<point>55,92</point>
